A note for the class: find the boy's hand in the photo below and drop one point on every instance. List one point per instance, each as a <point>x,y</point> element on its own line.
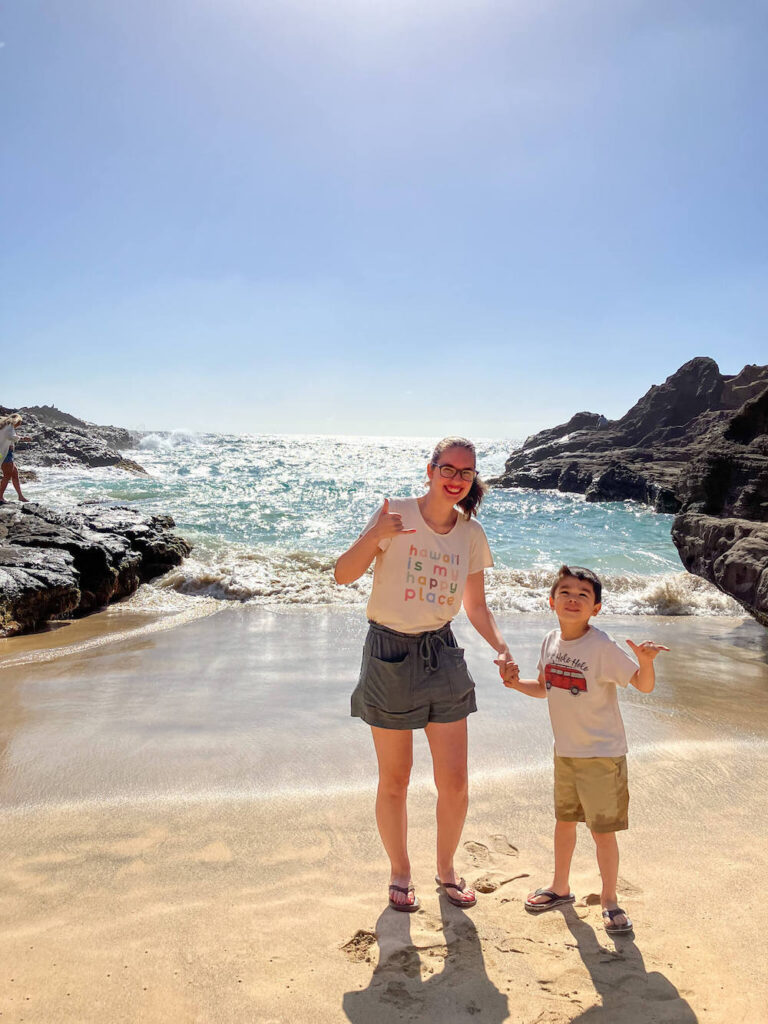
<point>508,670</point>
<point>646,651</point>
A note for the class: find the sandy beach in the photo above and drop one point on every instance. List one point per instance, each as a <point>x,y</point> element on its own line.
<point>188,829</point>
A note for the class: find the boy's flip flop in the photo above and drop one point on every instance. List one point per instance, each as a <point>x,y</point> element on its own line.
<point>460,886</point>
<point>406,908</point>
<point>616,929</point>
<point>553,900</point>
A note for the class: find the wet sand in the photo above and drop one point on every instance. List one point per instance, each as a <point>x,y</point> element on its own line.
<point>188,836</point>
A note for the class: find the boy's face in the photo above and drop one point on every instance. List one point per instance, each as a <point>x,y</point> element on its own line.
<point>574,601</point>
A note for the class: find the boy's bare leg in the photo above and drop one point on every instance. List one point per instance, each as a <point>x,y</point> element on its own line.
<point>394,751</point>
<point>565,844</point>
<point>608,862</point>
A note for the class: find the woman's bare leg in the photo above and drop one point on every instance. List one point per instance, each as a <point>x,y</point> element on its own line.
<point>8,469</point>
<point>17,484</point>
<point>394,751</point>
<point>448,743</point>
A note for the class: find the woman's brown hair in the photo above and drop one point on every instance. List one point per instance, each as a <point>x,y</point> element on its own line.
<point>471,503</point>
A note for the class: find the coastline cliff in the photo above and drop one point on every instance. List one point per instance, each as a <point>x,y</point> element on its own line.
<point>697,446</point>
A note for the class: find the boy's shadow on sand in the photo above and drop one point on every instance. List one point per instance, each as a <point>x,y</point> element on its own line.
<point>460,989</point>
<point>396,991</point>
<point>629,992</point>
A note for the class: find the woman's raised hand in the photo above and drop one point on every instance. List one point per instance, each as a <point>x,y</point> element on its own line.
<point>389,524</point>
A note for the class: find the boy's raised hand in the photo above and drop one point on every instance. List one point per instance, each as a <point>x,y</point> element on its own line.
<point>389,524</point>
<point>647,650</point>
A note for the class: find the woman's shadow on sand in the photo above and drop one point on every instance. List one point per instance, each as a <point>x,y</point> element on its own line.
<point>459,989</point>
<point>629,992</point>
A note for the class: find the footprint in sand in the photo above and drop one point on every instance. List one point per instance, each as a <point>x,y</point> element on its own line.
<point>479,853</point>
<point>398,995</point>
<point>502,845</point>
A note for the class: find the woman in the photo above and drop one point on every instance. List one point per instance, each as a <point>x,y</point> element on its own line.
<point>8,437</point>
<point>430,555</point>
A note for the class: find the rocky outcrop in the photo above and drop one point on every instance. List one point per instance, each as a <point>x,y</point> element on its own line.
<point>60,439</point>
<point>722,533</point>
<point>646,455</point>
<point>695,445</point>
<point>56,563</point>
<point>731,553</point>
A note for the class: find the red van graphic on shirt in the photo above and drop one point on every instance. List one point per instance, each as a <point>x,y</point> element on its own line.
<point>565,679</point>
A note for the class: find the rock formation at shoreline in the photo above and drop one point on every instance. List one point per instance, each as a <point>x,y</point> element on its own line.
<point>696,445</point>
<point>60,439</point>
<point>57,563</point>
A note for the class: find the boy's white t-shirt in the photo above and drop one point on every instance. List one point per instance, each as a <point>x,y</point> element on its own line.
<point>418,578</point>
<point>583,705</point>
<point>7,436</point>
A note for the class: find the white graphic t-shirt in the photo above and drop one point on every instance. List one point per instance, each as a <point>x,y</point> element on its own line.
<point>418,578</point>
<point>581,678</point>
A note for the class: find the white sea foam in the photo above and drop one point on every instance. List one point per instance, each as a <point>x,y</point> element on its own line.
<point>167,440</point>
<point>303,578</point>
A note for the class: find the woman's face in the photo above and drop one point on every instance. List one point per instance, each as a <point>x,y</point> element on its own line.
<point>455,489</point>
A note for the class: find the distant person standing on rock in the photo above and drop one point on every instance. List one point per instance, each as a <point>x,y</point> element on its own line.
<point>8,437</point>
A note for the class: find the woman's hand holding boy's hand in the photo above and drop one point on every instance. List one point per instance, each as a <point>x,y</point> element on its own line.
<point>646,651</point>
<point>508,670</point>
<point>389,524</point>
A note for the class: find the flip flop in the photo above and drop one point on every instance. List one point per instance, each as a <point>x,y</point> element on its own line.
<point>405,908</point>
<point>459,886</point>
<point>616,929</point>
<point>553,900</point>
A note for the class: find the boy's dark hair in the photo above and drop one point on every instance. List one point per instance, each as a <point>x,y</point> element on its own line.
<point>578,572</point>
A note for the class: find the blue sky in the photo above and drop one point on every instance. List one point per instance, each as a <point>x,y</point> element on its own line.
<point>378,216</point>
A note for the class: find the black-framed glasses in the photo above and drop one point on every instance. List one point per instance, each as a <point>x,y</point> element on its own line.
<point>448,472</point>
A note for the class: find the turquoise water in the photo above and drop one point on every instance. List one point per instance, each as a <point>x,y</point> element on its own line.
<point>269,514</point>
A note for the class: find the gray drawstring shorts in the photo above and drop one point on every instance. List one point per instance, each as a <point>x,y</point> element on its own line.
<point>408,680</point>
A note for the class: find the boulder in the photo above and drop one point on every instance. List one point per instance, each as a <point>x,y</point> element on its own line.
<point>60,562</point>
<point>731,553</point>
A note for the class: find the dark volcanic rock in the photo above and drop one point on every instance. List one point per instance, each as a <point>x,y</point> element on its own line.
<point>56,562</point>
<point>731,553</point>
<point>648,454</point>
<point>696,444</point>
<point>59,439</point>
<point>580,421</point>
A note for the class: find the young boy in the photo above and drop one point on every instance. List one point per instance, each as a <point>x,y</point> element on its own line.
<point>579,670</point>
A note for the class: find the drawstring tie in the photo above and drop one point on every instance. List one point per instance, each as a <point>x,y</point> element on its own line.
<point>429,650</point>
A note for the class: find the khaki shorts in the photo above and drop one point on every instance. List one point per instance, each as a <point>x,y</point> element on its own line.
<point>594,790</point>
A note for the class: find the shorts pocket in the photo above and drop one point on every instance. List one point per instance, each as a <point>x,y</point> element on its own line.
<point>388,684</point>
<point>460,680</point>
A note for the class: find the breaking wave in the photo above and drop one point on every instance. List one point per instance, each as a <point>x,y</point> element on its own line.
<point>304,578</point>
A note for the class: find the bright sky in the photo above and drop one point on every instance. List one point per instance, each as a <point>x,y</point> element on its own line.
<point>378,216</point>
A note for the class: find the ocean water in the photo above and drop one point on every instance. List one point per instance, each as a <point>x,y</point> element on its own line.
<point>268,514</point>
